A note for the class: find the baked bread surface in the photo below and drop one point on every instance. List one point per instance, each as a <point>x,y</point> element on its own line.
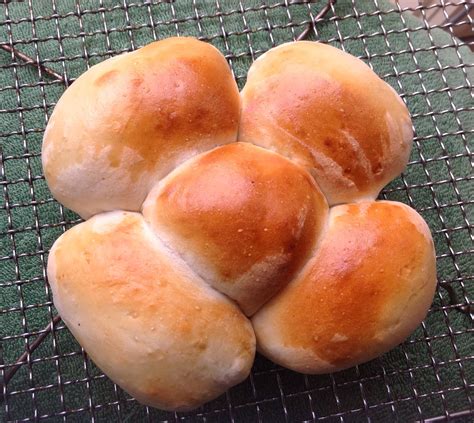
<point>221,222</point>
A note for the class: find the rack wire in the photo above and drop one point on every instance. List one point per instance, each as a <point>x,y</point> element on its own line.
<point>45,374</point>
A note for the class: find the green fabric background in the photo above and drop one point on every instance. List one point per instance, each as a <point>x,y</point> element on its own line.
<point>430,373</point>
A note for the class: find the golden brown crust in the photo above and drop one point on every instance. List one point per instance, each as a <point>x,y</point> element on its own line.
<point>129,120</point>
<point>146,300</point>
<point>244,217</point>
<point>144,317</point>
<point>366,289</point>
<point>328,111</point>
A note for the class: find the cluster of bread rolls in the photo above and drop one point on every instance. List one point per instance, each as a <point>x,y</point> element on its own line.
<point>221,222</point>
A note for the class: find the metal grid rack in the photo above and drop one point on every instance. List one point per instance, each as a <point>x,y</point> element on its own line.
<point>45,375</point>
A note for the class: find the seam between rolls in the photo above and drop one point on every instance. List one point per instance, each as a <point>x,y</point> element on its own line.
<point>307,169</point>
<point>241,110</point>
<point>314,250</point>
<point>178,256</point>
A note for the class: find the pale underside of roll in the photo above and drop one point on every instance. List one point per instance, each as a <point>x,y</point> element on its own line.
<point>220,223</point>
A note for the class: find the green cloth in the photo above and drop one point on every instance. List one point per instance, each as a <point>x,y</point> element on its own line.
<point>437,185</point>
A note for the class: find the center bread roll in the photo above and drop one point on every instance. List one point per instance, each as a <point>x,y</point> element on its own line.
<point>245,218</point>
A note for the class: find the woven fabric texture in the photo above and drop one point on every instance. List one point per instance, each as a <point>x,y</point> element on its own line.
<point>431,374</point>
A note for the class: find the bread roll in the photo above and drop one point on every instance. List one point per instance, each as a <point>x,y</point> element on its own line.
<point>327,110</point>
<point>368,286</point>
<point>146,320</point>
<point>131,119</point>
<point>228,228</point>
<point>244,218</point>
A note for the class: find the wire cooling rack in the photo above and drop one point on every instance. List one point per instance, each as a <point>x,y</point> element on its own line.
<point>45,45</point>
